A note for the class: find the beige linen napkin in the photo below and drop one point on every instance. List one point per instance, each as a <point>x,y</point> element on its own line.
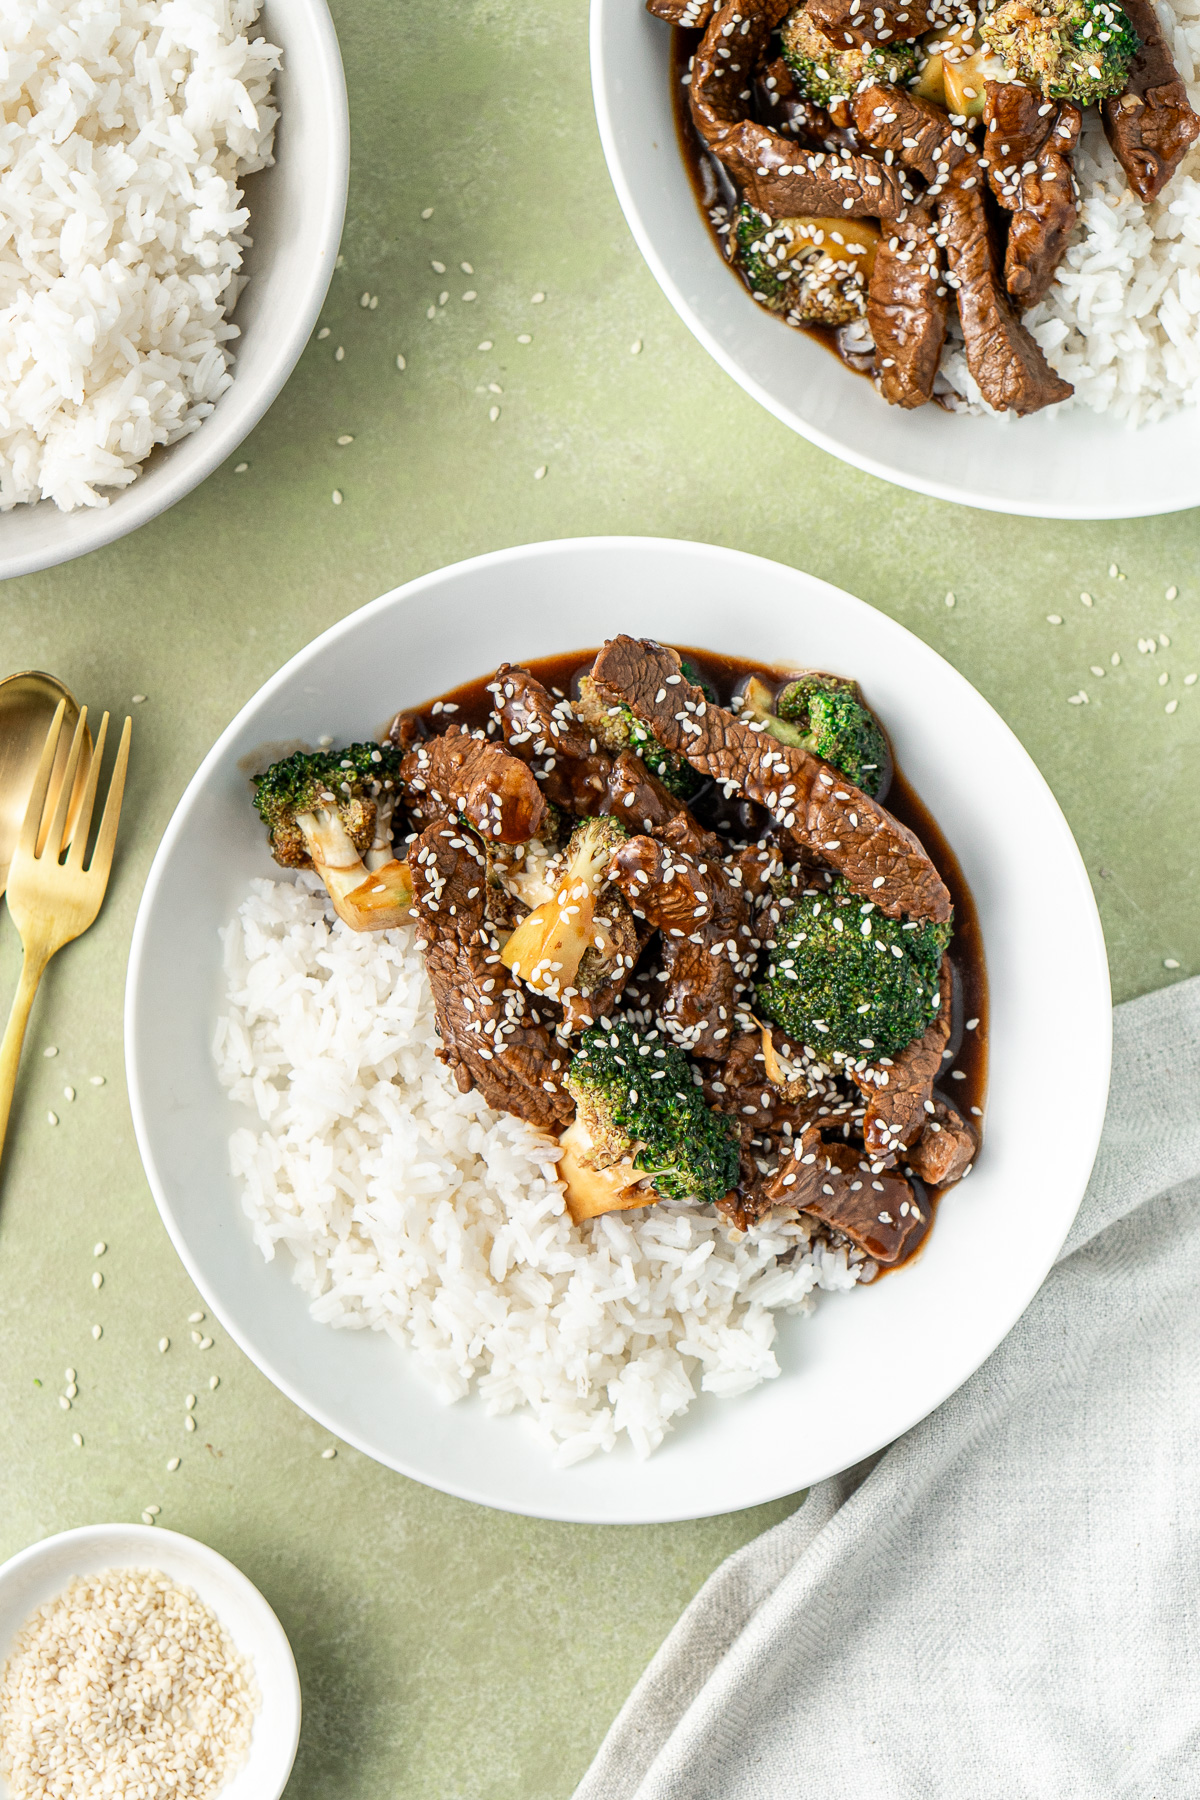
<point>1007,1603</point>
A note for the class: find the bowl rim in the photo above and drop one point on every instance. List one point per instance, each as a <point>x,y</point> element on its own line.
<point>189,1549</point>
<point>603,102</point>
<point>1088,1120</point>
<point>219,436</point>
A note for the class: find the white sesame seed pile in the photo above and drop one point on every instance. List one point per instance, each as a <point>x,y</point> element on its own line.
<point>124,1685</point>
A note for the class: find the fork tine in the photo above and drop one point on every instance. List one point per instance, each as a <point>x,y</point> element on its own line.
<point>83,821</point>
<point>53,840</point>
<point>27,842</point>
<point>105,838</point>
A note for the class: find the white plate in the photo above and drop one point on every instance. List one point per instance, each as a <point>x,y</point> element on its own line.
<point>867,1365</point>
<point>36,1575</point>
<point>296,212</point>
<point>1076,465</point>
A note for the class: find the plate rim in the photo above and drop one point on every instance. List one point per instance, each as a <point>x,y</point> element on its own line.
<point>1087,1130</point>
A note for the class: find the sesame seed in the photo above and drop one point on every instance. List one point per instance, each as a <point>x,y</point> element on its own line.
<point>50,1050</point>
<point>240,468</point>
<point>99,1248</point>
<point>1169,962</point>
<point>97,1332</point>
<point>540,474</point>
<point>635,349</point>
<point>345,439</point>
<point>323,333</point>
<point>164,1344</point>
<point>68,1093</point>
<point>339,354</point>
<point>214,1382</point>
<point>428,213</point>
<point>1172,593</point>
<point>1085,599</point>
<point>52,1118</point>
<point>486,344</point>
<point>950,600</point>
<point>77,1440</point>
<point>206,1343</point>
<point>493,413</point>
<point>97,1279</point>
<point>172,1464</point>
<point>336,496</point>
<point>196,1318</point>
<point>439,268</point>
<point>524,338</point>
<point>1054,618</point>
<point>400,363</point>
<point>96,1080</point>
<point>328,1455</point>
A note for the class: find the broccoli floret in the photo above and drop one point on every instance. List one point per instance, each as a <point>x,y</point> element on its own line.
<point>826,74</point>
<point>787,275</point>
<point>847,981</point>
<point>636,1099</point>
<point>1077,50</point>
<point>837,727</point>
<point>331,810</point>
<point>617,729</point>
<point>547,947</point>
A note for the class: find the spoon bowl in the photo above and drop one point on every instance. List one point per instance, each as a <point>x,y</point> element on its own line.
<point>28,702</point>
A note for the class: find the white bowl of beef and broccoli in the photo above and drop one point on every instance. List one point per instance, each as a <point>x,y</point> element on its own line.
<point>958,245</point>
<point>638,1044</point>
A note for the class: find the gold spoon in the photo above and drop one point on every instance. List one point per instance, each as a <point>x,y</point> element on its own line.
<point>28,702</point>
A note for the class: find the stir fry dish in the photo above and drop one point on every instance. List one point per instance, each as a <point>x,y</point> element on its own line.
<point>667,917</point>
<point>871,163</point>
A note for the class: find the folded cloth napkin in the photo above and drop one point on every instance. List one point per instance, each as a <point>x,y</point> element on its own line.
<point>1006,1603</point>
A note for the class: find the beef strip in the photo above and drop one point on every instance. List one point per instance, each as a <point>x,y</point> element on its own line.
<point>1151,125</point>
<point>494,1038</point>
<point>767,1120</point>
<point>707,958</point>
<point>777,95</point>
<point>691,14</point>
<point>861,22</point>
<point>1029,149</point>
<point>569,765</point>
<point>1007,364</point>
<point>458,772</point>
<point>945,1149</point>
<point>777,177</point>
<point>899,1090</point>
<point>878,1212</point>
<point>906,310</point>
<point>816,807</point>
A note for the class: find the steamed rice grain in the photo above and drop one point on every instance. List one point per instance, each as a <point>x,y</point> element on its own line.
<point>125,128</point>
<point>407,1207</point>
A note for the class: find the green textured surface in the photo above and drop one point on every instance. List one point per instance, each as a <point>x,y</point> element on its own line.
<point>446,1651</point>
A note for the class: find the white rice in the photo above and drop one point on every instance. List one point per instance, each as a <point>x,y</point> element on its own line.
<point>408,1207</point>
<point>1122,321</point>
<point>125,127</point>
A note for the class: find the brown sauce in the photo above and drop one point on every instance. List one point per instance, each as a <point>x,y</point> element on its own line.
<point>471,705</point>
<point>712,186</point>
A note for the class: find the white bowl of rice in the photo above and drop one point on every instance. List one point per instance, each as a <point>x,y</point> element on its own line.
<point>398,1257</point>
<point>1122,322</point>
<point>175,177</point>
<point>134,1659</point>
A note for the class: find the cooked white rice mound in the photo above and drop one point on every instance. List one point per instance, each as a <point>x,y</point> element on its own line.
<point>125,126</point>
<point>411,1208</point>
<point>1122,321</point>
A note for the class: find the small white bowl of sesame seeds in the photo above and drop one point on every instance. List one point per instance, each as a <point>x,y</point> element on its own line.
<point>192,1664</point>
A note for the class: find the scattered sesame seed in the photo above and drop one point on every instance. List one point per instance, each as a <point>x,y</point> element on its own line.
<point>1171,706</point>
<point>172,1464</point>
<point>524,338</point>
<point>96,1080</point>
<point>98,1249</point>
<point>1169,962</point>
<point>950,599</point>
<point>1172,593</point>
<point>635,349</point>
<point>536,299</point>
<point>147,1518</point>
<point>539,474</point>
<point>366,299</point>
<point>64,1403</point>
<point>68,1093</point>
<point>154,1510</point>
<point>336,496</point>
<point>52,1118</point>
<point>486,344</point>
<point>466,268</point>
<point>374,302</point>
<point>68,1375</point>
<point>164,1344</point>
<point>339,354</point>
<point>340,263</point>
<point>493,413</point>
<point>1079,699</point>
<point>443,296</point>
<point>1189,681</point>
<point>431,312</point>
<point>345,438</point>
<point>50,1050</point>
<point>77,1440</point>
<point>1115,659</point>
<point>1054,618</point>
<point>206,1343</point>
<point>470,294</point>
<point>439,268</point>
<point>1085,599</point>
<point>97,1332</point>
<point>240,468</point>
<point>190,1403</point>
<point>1113,569</point>
<point>97,1279</point>
<point>323,333</point>
<point>428,213</point>
<point>214,1382</point>
<point>1163,679</point>
<point>196,1318</point>
<point>400,363</point>
<point>1164,640</point>
<point>1097,671</point>
<point>189,1424</point>
<point>328,1455</point>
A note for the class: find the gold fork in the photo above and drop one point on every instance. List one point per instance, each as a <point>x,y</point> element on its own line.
<point>52,901</point>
